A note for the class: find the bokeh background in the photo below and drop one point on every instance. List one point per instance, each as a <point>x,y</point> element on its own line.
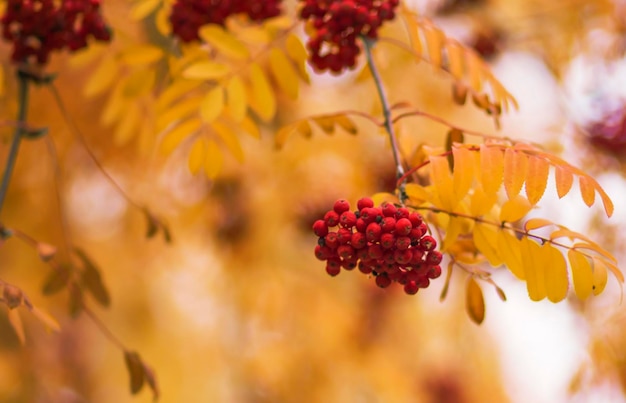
<point>237,309</point>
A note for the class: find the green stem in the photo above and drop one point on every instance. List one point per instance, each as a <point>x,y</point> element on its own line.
<point>388,122</point>
<point>17,135</point>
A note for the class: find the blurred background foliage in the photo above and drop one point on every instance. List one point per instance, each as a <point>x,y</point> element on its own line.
<point>237,309</point>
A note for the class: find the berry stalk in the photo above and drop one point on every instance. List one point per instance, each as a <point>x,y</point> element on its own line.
<point>388,122</point>
<point>17,135</point>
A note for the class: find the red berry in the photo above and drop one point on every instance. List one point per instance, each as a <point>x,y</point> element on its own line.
<point>411,288</point>
<point>344,236</point>
<point>387,241</point>
<point>375,251</point>
<point>433,258</point>
<point>333,267</point>
<point>416,219</point>
<point>331,240</point>
<point>402,212</point>
<point>403,243</point>
<point>365,202</point>
<point>389,210</point>
<point>373,232</point>
<point>341,206</point>
<point>383,281</point>
<point>403,227</point>
<point>345,251</point>
<point>434,272</point>
<point>320,228</point>
<point>347,219</point>
<point>428,243</point>
<point>402,256</point>
<point>331,218</point>
<point>323,252</point>
<point>358,240</point>
<point>388,224</point>
<point>361,225</point>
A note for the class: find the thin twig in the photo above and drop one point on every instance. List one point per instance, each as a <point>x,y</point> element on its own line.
<point>17,135</point>
<point>388,123</point>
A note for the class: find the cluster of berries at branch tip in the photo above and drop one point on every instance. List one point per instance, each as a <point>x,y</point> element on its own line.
<point>337,24</point>
<point>38,27</point>
<point>388,242</point>
<point>189,15</point>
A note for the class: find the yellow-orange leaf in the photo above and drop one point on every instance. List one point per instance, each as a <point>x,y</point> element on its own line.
<point>453,230</point>
<point>212,104</point>
<point>481,203</point>
<point>536,178</point>
<point>535,223</point>
<point>297,52</point>
<point>284,73</point>
<point>417,194</point>
<point>442,182</point>
<point>491,168</point>
<point>463,174</point>
<point>49,322</point>
<point>326,123</point>
<point>206,70</point>
<point>236,98</point>
<point>600,276</point>
<point>102,77</point>
<point>555,272</point>
<point>262,100</point>
<point>197,155</point>
<point>456,56</point>
<point>345,123</point>
<point>177,112</point>
<point>250,127</point>
<point>127,127</point>
<point>435,41</point>
<point>140,55</point>
<point>564,179</point>
<point>178,134</point>
<point>414,37</point>
<point>515,170</point>
<point>533,261</point>
<point>16,323</point>
<point>486,241</point>
<point>213,160</point>
<point>582,275</point>
<point>86,55</point>
<point>223,41</point>
<point>475,302</point>
<point>162,21</point>
<point>509,248</point>
<point>587,190</point>
<point>141,9</point>
<point>175,91</point>
<point>139,83</point>
<point>230,139</point>
<point>596,248</point>
<point>515,209</point>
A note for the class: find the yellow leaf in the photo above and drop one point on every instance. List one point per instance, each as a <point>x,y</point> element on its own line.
<point>535,223</point>
<point>587,190</point>
<point>491,168</point>
<point>615,270</point>
<point>463,174</point>
<point>441,180</point>
<point>223,41</point>
<point>297,52</point>
<point>236,98</point>
<point>474,66</point>
<point>16,324</point>
<point>174,91</point>
<point>262,99</point>
<point>564,179</point>
<point>345,123</point>
<point>414,37</point>
<point>197,155</point>
<point>515,171</point>
<point>594,247</point>
<point>46,319</point>
<point>486,241</point>
<point>141,9</point>
<point>254,34</point>
<point>435,40</point>
<point>481,203</point>
<point>102,77</point>
<point>536,178</point>
<point>178,134</point>
<point>116,104</point>
<point>212,104</point>
<point>509,248</point>
<point>126,129</point>
<point>515,209</point>
<point>600,276</point>
<point>250,127</point>
<point>284,73</point>
<point>533,260</point>
<point>417,194</point>
<point>87,55</point>
<point>178,112</point>
<point>139,83</point>
<point>162,21</point>
<point>213,160</point>
<point>205,70</point>
<point>283,133</point>
<point>456,58</point>
<point>139,55</point>
<point>474,301</point>
<point>555,272</point>
<point>582,275</point>
<point>230,139</point>
<point>453,230</point>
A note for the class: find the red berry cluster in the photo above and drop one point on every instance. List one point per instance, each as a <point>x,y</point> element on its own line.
<point>38,27</point>
<point>388,242</point>
<point>337,26</point>
<point>189,15</point>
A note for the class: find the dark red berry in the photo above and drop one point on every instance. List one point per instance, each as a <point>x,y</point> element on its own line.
<point>411,288</point>
<point>434,272</point>
<point>320,228</point>
<point>428,243</point>
<point>341,206</point>
<point>331,218</point>
<point>434,258</point>
<point>383,281</point>
<point>347,219</point>
<point>333,267</point>
<point>358,240</point>
<point>387,241</point>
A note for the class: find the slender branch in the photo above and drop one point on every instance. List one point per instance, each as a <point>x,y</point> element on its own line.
<point>78,133</point>
<point>17,135</point>
<point>65,226</point>
<point>103,328</point>
<point>388,123</point>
